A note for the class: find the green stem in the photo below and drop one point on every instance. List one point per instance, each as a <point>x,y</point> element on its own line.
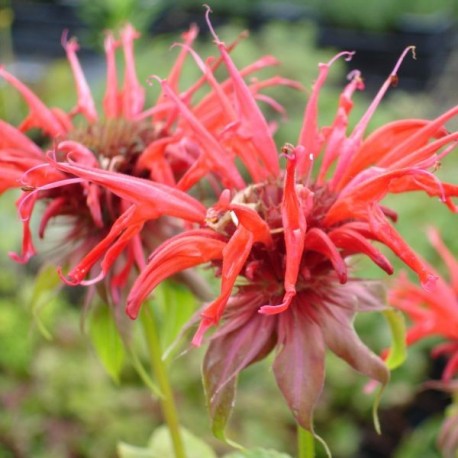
<point>160,370</point>
<point>305,443</point>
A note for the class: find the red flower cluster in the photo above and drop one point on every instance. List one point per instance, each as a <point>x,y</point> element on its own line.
<point>280,242</point>
<point>283,239</point>
<point>432,314</point>
<point>153,144</point>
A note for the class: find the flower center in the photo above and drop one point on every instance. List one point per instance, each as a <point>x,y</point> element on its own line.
<point>265,266</point>
<point>117,143</point>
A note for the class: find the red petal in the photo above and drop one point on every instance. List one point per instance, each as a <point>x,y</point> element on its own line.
<point>235,254</point>
<point>299,366</point>
<point>391,238</point>
<point>251,119</point>
<point>309,137</point>
<point>10,137</point>
<point>40,116</point>
<point>226,357</point>
<point>85,101</point>
<point>355,243</point>
<point>176,254</point>
<point>340,337</point>
<point>318,240</point>
<point>111,99</point>
<point>153,198</point>
<point>133,94</point>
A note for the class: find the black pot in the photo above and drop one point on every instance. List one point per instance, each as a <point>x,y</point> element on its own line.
<point>38,27</point>
<point>377,52</point>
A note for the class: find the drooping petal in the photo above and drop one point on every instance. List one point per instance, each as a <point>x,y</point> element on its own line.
<point>448,437</point>
<point>391,238</point>
<point>450,261</point>
<point>353,242</point>
<point>40,115</point>
<point>299,365</point>
<point>10,137</point>
<point>227,356</point>
<point>317,240</point>
<point>153,198</point>
<point>340,337</point>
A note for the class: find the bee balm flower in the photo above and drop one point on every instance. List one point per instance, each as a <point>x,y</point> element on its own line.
<point>432,314</point>
<point>280,244</point>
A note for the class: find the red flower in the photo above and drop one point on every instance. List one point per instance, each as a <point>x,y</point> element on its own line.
<point>283,242</point>
<point>433,314</point>
<point>174,147</point>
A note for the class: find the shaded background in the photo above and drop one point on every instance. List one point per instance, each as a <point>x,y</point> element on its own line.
<point>55,398</point>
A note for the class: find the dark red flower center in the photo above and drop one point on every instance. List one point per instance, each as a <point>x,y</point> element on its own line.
<point>265,266</point>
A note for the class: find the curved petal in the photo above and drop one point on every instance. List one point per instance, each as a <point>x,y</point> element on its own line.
<point>299,366</point>
<point>176,254</point>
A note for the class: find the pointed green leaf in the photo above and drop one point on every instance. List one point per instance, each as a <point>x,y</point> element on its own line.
<point>257,453</point>
<point>161,445</point>
<point>106,340</point>
<point>398,353</point>
<point>47,284</point>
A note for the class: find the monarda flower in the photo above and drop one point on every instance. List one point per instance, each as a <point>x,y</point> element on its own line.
<point>127,138</point>
<point>433,314</point>
<point>280,244</point>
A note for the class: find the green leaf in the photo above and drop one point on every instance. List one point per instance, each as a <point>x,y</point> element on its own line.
<point>257,453</point>
<point>129,451</point>
<point>47,284</point>
<point>161,445</point>
<point>106,340</point>
<point>175,304</point>
<point>398,353</point>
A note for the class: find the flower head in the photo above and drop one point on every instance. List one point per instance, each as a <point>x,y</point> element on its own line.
<point>165,150</point>
<point>280,244</point>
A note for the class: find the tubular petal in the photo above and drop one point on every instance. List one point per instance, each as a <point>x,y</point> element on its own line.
<point>40,116</point>
<point>391,238</point>
<point>85,102</point>
<point>133,94</point>
<point>10,137</point>
<point>176,254</point>
<point>154,198</point>
<point>318,240</point>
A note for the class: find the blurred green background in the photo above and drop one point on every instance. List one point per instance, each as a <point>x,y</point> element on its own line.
<point>56,400</point>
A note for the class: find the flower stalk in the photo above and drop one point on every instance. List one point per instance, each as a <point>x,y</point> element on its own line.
<point>159,368</point>
<point>305,443</point>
